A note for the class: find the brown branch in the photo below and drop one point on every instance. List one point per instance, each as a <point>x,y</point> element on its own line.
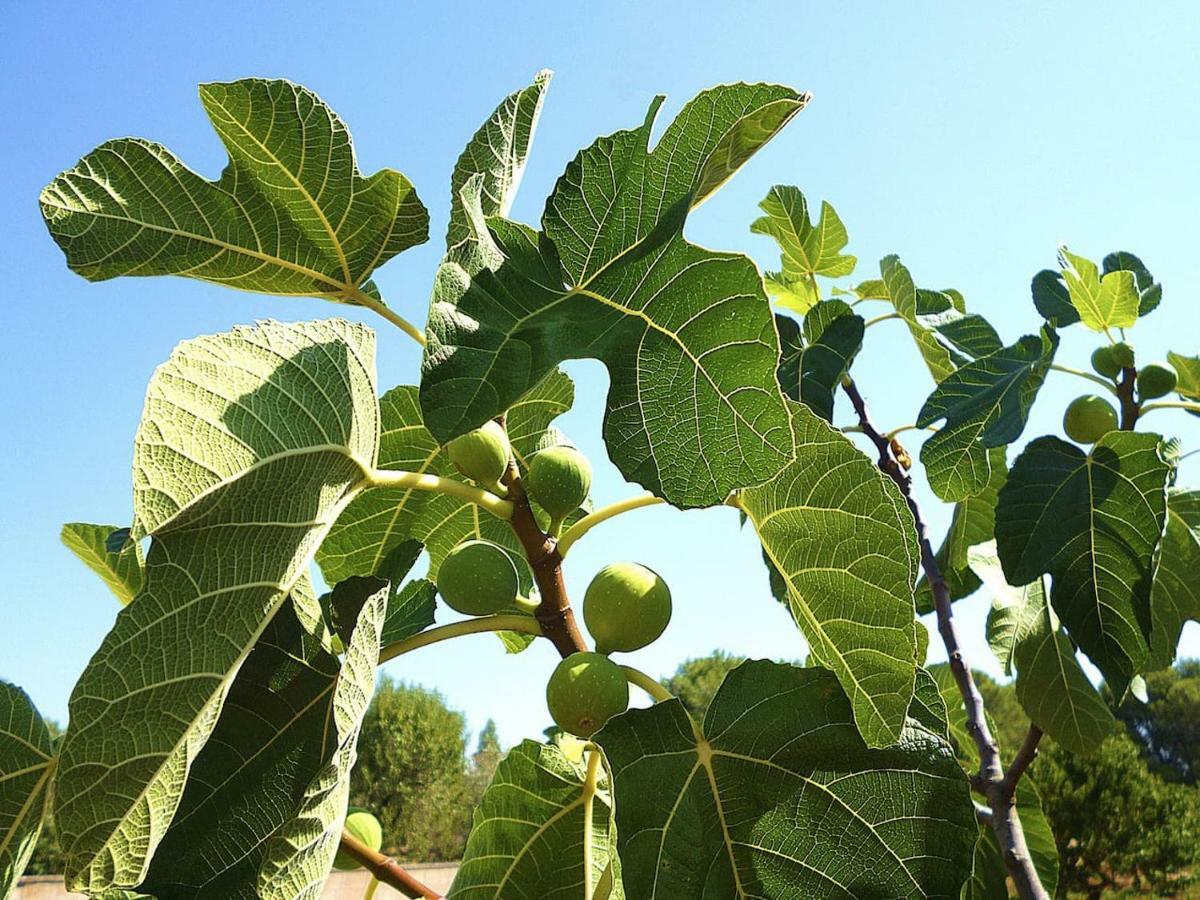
<point>1130,408</point>
<point>386,869</point>
<point>1021,762</point>
<point>554,611</point>
<point>990,780</point>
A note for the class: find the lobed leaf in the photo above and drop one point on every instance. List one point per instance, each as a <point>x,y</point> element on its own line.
<point>1175,596</point>
<point>122,570</point>
<point>686,334</point>
<point>1025,635</point>
<point>778,797</point>
<point>257,439</point>
<point>26,767</point>
<point>842,540</point>
<point>289,711</point>
<point>812,368</point>
<point>544,826</point>
<point>291,213</point>
<point>985,404</point>
<point>1101,301</point>
<point>1093,523</point>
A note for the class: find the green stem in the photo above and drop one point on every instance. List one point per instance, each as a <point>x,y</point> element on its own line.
<point>1171,404</point>
<point>590,521</point>
<point>421,481</point>
<point>903,428</point>
<point>882,318</point>
<point>528,605</point>
<point>590,782</point>
<point>502,622</point>
<point>1103,382</point>
<point>640,679</point>
<point>369,894</point>
<point>362,298</point>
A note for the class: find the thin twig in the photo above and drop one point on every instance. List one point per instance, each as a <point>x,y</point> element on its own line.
<point>1005,821</point>
<point>1020,762</point>
<point>386,869</point>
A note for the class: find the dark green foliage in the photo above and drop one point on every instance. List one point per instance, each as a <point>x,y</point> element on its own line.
<point>1168,727</point>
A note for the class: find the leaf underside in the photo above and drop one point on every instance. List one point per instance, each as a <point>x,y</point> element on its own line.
<point>26,767</point>
<point>122,571</point>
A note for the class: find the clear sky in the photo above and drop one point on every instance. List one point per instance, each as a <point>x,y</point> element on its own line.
<point>971,139</point>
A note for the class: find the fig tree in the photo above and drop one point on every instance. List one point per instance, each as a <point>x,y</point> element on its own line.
<point>1156,379</point>
<point>364,826</point>
<point>626,607</point>
<point>559,480</point>
<point>482,454</point>
<point>478,578</point>
<point>1122,355</point>
<point>1104,364</point>
<point>585,691</point>
<point>1089,418</point>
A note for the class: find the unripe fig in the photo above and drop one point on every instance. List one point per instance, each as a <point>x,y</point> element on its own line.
<point>1104,364</point>
<point>1122,355</point>
<point>1156,379</point>
<point>626,607</point>
<point>365,827</point>
<point>478,578</point>
<point>1089,418</point>
<point>585,691</point>
<point>559,480</point>
<point>482,454</point>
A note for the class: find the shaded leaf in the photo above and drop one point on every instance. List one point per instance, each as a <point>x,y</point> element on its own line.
<point>271,745</point>
<point>686,334</point>
<point>1025,635</point>
<point>1052,299</point>
<point>253,438</point>
<point>1092,522</point>
<point>808,249</point>
<point>839,534</point>
<point>291,214</point>
<point>1102,302</point>
<point>1175,597</point>
<point>778,797</point>
<point>544,824</point>
<point>26,767</point>
<point>985,404</point>
<point>122,570</point>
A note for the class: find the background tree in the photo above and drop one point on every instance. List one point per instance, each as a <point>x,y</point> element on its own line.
<point>1168,726</point>
<point>696,680</point>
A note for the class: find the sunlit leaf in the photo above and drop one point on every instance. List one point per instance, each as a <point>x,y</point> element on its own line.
<point>122,571</point>
<point>544,825</point>
<point>252,439</point>
<point>778,797</point>
<point>291,214</point>
<point>26,767</point>
<point>1149,290</point>
<point>842,538</point>
<point>1102,302</point>
<point>1092,522</point>
<point>1175,597</point>
<point>1188,369</point>
<point>686,334</point>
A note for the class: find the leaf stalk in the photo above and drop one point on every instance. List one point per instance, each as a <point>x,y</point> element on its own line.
<point>501,622</point>
<point>423,481</point>
<point>591,520</point>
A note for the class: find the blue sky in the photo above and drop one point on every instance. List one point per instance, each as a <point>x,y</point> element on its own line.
<point>970,140</point>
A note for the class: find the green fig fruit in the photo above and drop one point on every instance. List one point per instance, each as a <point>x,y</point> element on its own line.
<point>1156,379</point>
<point>626,607</point>
<point>1104,364</point>
<point>364,826</point>
<point>585,691</point>
<point>482,454</point>
<point>1089,418</point>
<point>1122,355</point>
<point>478,578</point>
<point>559,480</point>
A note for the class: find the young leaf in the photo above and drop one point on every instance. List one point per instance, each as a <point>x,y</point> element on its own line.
<point>256,438</point>
<point>1149,290</point>
<point>1025,635</point>
<point>686,334</point>
<point>808,250</point>
<point>841,537</point>
<point>779,797</point>
<point>1092,522</point>
<point>271,745</point>
<point>497,154</point>
<point>544,826</point>
<point>122,571</point>
<point>1102,302</point>
<point>972,522</point>
<point>291,214</point>
<point>989,876</point>
<point>1175,597</point>
<point>26,767</point>
<point>810,370</point>
<point>985,404</point>
<point>1188,368</point>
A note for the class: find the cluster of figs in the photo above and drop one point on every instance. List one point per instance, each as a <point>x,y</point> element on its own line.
<point>1089,418</point>
<point>626,605</point>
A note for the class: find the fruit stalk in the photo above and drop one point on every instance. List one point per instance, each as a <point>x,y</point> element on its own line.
<point>990,781</point>
<point>386,869</point>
